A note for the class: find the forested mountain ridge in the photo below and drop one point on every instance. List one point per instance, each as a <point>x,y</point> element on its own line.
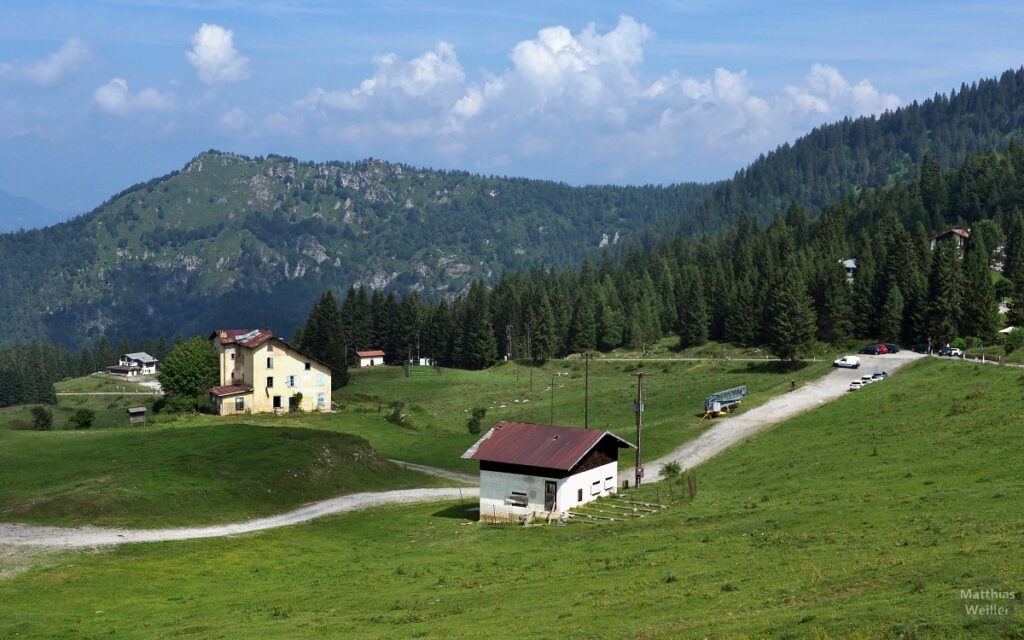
<point>837,159</point>
<point>231,237</point>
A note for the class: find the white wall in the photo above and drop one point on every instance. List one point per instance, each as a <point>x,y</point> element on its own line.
<point>496,486</point>
<point>373,361</point>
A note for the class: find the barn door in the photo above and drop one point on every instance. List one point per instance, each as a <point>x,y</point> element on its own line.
<point>549,495</point>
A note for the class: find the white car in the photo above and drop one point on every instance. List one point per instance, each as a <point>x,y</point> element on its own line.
<point>851,362</point>
<point>867,379</point>
<point>856,384</point>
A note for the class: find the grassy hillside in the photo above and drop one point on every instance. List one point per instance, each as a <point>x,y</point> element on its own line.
<point>178,476</point>
<point>863,519</point>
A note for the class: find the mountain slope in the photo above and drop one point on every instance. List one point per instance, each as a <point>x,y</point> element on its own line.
<point>23,213</point>
<point>231,239</point>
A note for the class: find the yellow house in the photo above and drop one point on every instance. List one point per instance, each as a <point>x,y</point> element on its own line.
<point>261,373</point>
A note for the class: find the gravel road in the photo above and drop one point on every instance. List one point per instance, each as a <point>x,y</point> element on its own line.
<point>725,433</point>
<point>730,430</point>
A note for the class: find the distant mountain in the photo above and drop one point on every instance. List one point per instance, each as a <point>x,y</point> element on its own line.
<point>22,213</point>
<point>232,240</point>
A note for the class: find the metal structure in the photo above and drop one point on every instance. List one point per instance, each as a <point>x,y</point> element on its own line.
<point>723,401</point>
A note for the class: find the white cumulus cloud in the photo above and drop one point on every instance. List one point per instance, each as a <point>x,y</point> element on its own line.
<point>215,57</point>
<point>115,98</point>
<point>572,99</point>
<point>62,63</point>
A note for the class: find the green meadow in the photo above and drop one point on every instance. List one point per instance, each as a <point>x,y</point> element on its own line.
<point>862,519</point>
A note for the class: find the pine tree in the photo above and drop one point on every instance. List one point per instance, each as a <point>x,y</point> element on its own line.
<point>583,326</point>
<point>610,328</point>
<point>979,310</point>
<point>741,319</point>
<point>440,333</point>
<point>945,292</point>
<point>86,362</point>
<point>323,337</point>
<point>891,321</point>
<point>105,356</point>
<point>542,329</point>
<point>479,348</point>
<point>791,319</point>
<point>692,323</point>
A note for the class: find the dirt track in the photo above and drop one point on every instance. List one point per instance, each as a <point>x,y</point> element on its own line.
<point>725,433</point>
<point>730,430</point>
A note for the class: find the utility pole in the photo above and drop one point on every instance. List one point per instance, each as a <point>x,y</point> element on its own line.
<point>638,408</point>
<point>552,420</point>
<point>586,390</point>
<point>529,355</point>
<point>508,342</point>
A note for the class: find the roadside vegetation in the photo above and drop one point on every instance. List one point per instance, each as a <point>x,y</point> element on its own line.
<point>863,518</point>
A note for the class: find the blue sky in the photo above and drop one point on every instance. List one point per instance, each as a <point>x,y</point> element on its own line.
<point>95,96</point>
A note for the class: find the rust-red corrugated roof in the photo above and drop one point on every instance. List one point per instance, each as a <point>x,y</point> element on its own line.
<point>375,353</point>
<point>963,233</point>
<point>537,445</point>
<point>231,389</point>
<point>244,337</point>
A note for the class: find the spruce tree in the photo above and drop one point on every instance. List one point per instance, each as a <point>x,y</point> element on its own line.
<point>945,292</point>
<point>979,310</point>
<point>891,320</point>
<point>583,326</point>
<point>86,362</point>
<point>791,319</point>
<point>542,329</point>
<point>105,356</point>
<point>479,347</point>
<point>692,323</point>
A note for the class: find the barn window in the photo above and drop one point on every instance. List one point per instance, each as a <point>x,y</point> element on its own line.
<point>609,483</point>
<point>308,366</point>
<point>579,495</point>
<point>517,499</point>
<point>595,487</point>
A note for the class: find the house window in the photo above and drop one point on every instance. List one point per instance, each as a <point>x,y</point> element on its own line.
<point>321,379</point>
<point>277,402</point>
<point>579,495</point>
<point>270,348</point>
<point>308,366</point>
<point>517,499</point>
<point>270,363</point>
<point>290,381</point>
<point>232,355</point>
<point>595,487</point>
<point>321,400</point>
<point>270,382</point>
<point>239,404</point>
<point>609,483</point>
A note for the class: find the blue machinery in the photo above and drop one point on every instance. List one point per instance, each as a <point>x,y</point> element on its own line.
<point>723,401</point>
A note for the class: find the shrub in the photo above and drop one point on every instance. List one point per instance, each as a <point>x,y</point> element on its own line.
<point>670,470</point>
<point>1013,340</point>
<point>476,416</point>
<point>42,418</point>
<point>82,418</point>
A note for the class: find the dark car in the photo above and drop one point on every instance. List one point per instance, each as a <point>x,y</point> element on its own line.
<point>892,348</point>
<point>874,349</point>
<point>920,348</point>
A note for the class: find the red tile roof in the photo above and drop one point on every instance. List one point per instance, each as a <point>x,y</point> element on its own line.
<point>231,389</point>
<point>963,233</point>
<point>244,337</point>
<point>376,353</point>
<point>537,445</point>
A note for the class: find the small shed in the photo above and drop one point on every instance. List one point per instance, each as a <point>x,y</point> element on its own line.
<point>372,358</point>
<point>538,469</point>
<point>136,415</point>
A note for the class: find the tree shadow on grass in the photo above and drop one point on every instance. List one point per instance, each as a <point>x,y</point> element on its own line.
<point>770,366</point>
<point>465,511</point>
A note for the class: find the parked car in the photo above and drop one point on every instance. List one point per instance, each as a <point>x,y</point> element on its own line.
<point>952,352</point>
<point>849,362</point>
<point>867,378</point>
<point>875,349</point>
<point>920,348</point>
<point>879,375</point>
<point>856,384</point>
<point>891,348</point>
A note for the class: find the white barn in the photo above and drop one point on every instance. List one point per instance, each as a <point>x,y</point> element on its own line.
<point>373,358</point>
<point>536,469</point>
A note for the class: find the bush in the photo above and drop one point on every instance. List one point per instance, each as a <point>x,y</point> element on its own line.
<point>82,418</point>
<point>476,417</point>
<point>42,418</point>
<point>671,470</point>
<point>1013,340</point>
